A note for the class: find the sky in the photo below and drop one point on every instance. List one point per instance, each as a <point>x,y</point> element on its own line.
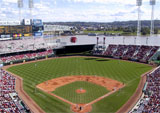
<point>79,10</point>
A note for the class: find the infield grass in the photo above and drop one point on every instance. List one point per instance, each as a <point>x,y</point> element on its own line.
<point>123,71</point>
<point>69,92</point>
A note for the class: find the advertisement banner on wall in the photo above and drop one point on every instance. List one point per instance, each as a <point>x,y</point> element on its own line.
<point>5,36</point>
<point>27,35</point>
<point>37,22</point>
<point>38,34</point>
<point>17,35</point>
<point>7,23</point>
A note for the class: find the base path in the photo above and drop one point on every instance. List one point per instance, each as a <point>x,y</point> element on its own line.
<point>52,85</point>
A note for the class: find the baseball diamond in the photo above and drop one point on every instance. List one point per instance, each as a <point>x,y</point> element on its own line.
<point>63,98</point>
<point>68,87</point>
<point>79,56</point>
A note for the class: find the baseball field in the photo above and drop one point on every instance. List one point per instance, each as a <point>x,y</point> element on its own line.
<point>77,80</point>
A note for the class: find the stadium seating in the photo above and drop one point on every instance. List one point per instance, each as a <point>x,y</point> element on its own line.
<point>131,52</point>
<point>150,103</point>
<point>97,52</point>
<point>131,49</point>
<point>25,56</point>
<point>143,50</point>
<point>13,46</point>
<point>120,51</point>
<point>110,50</point>
<point>151,53</point>
<point>10,102</point>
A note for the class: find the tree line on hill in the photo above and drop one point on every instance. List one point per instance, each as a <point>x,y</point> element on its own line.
<point>127,27</point>
<point>145,23</point>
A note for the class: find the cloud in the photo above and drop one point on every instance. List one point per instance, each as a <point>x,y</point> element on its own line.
<point>79,10</point>
<point>108,1</point>
<point>9,1</point>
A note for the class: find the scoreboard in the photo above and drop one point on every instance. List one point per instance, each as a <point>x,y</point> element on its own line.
<point>15,29</point>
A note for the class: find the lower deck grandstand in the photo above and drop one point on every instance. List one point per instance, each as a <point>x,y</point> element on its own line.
<point>12,46</point>
<point>10,101</point>
<point>150,101</point>
<point>129,52</point>
<point>27,55</point>
<point>18,51</point>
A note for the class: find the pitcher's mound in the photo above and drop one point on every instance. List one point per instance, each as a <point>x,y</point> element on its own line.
<point>80,91</point>
<point>81,108</point>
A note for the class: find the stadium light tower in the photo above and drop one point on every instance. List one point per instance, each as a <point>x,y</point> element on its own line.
<point>31,5</point>
<point>152,3</point>
<point>20,6</point>
<point>139,4</point>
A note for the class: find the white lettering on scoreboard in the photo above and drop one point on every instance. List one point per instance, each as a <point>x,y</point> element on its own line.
<point>6,23</point>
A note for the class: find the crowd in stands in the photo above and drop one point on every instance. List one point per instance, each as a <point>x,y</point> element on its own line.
<point>13,46</point>
<point>98,50</point>
<point>150,102</point>
<point>9,100</point>
<point>152,52</point>
<point>129,52</point>
<point>25,56</point>
<point>143,50</point>
<point>120,50</point>
<point>110,50</point>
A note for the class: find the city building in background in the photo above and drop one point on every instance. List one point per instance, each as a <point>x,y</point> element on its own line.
<point>57,29</point>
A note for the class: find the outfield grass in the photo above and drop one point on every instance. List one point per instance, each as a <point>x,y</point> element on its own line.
<point>69,92</point>
<point>126,72</point>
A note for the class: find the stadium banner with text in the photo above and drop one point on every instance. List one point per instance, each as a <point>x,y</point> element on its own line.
<point>37,22</point>
<point>38,34</point>
<point>6,23</point>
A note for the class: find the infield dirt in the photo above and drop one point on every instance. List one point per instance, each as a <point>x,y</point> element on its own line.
<point>51,85</point>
